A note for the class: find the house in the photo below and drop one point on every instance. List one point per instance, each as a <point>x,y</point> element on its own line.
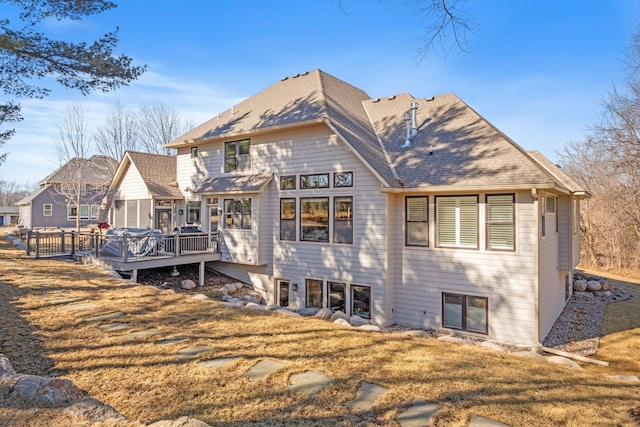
<point>398,210</point>
<point>53,203</point>
<point>146,194</point>
<point>8,215</point>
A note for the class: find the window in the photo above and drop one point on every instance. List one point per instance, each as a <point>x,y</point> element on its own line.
<point>237,156</point>
<point>194,152</point>
<point>314,293</point>
<point>342,220</point>
<point>314,221</point>
<point>361,301</point>
<point>288,182</point>
<point>337,296</point>
<point>466,313</point>
<point>47,209</point>
<point>343,179</point>
<point>95,211</point>
<point>543,216</point>
<point>71,188</point>
<point>193,212</point>
<point>314,181</point>
<point>84,211</point>
<point>287,219</point>
<point>457,221</point>
<point>237,213</point>
<point>417,221</point>
<point>501,222</point>
<point>283,293</point>
<point>551,204</point>
<point>72,211</point>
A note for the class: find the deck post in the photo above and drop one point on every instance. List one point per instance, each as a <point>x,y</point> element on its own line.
<point>28,242</point>
<point>134,276</point>
<point>201,282</point>
<point>37,244</point>
<point>177,245</point>
<point>62,242</point>
<point>73,241</point>
<point>125,248</point>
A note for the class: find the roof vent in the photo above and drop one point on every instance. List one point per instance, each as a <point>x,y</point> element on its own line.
<point>376,100</point>
<point>296,76</point>
<point>414,118</point>
<point>407,141</point>
<point>391,98</point>
<point>284,79</point>
<point>305,73</point>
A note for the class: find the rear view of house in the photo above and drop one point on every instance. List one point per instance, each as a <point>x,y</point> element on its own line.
<point>396,209</point>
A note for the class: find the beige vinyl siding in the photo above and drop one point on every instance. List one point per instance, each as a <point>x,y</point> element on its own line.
<point>506,278</point>
<point>132,186</point>
<point>361,263</point>
<point>565,236</point>
<point>576,241</point>
<point>241,245</point>
<point>395,243</point>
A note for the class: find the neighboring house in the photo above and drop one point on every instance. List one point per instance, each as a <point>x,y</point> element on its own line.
<point>145,193</point>
<point>52,205</point>
<point>8,215</point>
<point>397,209</point>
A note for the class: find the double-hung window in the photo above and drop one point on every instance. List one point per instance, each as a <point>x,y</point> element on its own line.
<point>501,223</point>
<point>342,220</point>
<point>457,221</point>
<point>237,213</point>
<point>417,221</point>
<point>72,211</point>
<point>237,156</point>
<point>47,209</point>
<point>287,219</point>
<point>95,211</point>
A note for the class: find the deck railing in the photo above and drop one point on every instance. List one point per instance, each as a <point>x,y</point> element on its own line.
<point>128,247</point>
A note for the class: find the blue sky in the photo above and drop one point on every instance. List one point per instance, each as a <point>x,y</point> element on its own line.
<point>539,70</point>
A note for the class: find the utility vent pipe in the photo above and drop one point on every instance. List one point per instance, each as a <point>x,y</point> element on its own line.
<point>414,118</point>
<point>407,120</point>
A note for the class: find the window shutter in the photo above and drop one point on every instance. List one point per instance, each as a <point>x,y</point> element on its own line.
<point>500,222</point>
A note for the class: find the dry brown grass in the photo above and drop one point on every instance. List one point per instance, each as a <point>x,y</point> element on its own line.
<point>145,382</point>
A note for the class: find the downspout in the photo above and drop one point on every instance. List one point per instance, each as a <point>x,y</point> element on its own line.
<point>536,267</point>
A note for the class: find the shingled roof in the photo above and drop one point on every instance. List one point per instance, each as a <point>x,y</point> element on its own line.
<point>95,170</point>
<point>454,148</point>
<point>157,170</point>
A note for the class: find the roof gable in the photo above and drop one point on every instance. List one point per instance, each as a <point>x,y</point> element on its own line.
<point>158,172</point>
<point>94,170</point>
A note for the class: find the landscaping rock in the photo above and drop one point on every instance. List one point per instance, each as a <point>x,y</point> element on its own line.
<point>370,328</point>
<point>594,285</point>
<point>49,390</point>
<point>254,306</point>
<point>324,313</point>
<point>180,422</point>
<point>564,361</point>
<point>415,333</point>
<point>286,312</point>
<point>252,298</point>
<point>531,354</point>
<point>339,315</point>
<point>448,338</point>
<point>6,368</point>
<point>223,290</point>
<point>605,285</point>
<point>273,307</point>
<point>358,321</point>
<point>307,311</point>
<point>201,297</point>
<point>580,285</point>
<point>586,295</point>
<point>94,411</point>
<point>231,287</point>
<point>492,346</point>
<point>342,322</point>
<point>631,378</point>
<point>188,284</point>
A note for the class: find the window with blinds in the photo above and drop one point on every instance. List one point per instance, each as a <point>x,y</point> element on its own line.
<point>457,221</point>
<point>501,224</point>
<point>417,221</point>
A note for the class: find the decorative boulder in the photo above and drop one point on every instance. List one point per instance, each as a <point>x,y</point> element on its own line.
<point>370,328</point>
<point>342,322</point>
<point>251,298</point>
<point>605,285</point>
<point>6,368</point>
<point>42,389</point>
<point>188,284</point>
<point>358,321</point>
<point>231,287</point>
<point>94,411</point>
<point>324,313</point>
<point>560,360</point>
<point>223,290</point>
<point>580,285</point>
<point>308,311</point>
<point>254,306</point>
<point>273,307</point>
<point>339,315</point>
<point>594,285</point>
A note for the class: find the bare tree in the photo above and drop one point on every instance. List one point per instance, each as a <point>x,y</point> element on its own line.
<point>11,192</point>
<point>118,133</point>
<point>80,180</point>
<point>159,124</point>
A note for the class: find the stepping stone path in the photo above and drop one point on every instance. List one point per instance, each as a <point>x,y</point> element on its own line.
<point>216,363</point>
<point>78,306</point>
<point>189,353</point>
<point>419,414</point>
<point>107,316</point>
<point>171,340</point>
<point>477,421</point>
<point>64,301</point>
<point>263,368</point>
<point>310,382</point>
<point>366,396</point>
<point>132,336</point>
<point>110,327</point>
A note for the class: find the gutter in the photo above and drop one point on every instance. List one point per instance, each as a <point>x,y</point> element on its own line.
<point>475,188</point>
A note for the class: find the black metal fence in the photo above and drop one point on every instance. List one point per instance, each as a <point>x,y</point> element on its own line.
<point>62,243</point>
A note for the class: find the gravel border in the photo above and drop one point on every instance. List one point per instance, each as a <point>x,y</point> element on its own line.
<point>579,326</point>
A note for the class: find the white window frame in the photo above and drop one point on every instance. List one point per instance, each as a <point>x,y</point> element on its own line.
<point>242,161</point>
<point>70,214</point>
<point>95,212</point>
<point>416,221</point>
<point>501,222</point>
<point>47,209</point>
